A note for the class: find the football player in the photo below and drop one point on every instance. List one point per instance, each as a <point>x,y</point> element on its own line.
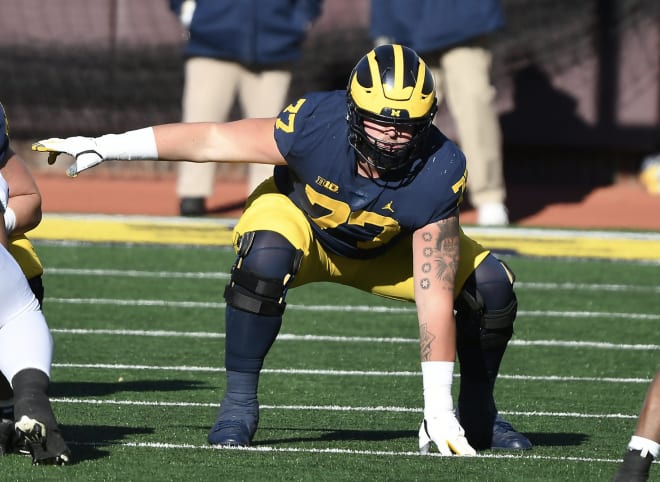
<point>26,351</point>
<point>366,193</point>
<point>22,213</point>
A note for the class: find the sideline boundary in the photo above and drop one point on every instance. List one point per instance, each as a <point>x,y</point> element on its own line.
<point>600,244</point>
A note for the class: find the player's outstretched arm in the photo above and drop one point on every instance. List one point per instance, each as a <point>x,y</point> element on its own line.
<point>247,140</point>
<point>435,264</point>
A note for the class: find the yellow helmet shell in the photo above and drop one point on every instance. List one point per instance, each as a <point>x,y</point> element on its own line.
<point>394,84</point>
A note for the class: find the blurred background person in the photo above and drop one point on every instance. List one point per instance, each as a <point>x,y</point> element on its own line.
<point>451,36</point>
<point>236,50</point>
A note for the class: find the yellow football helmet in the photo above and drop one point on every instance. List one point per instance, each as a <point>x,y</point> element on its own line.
<point>392,85</point>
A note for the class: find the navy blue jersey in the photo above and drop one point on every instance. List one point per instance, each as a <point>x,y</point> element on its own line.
<point>352,215</point>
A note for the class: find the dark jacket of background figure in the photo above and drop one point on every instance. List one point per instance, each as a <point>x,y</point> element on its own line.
<point>251,32</point>
<point>428,25</point>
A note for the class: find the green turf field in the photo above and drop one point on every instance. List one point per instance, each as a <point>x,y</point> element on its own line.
<point>138,375</point>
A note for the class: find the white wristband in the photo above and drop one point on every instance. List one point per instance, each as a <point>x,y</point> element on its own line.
<point>437,377</point>
<point>10,220</point>
<point>641,443</point>
<point>139,144</point>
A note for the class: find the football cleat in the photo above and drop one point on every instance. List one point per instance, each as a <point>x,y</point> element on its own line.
<point>47,447</point>
<point>9,441</point>
<point>634,468</point>
<point>505,437</point>
<point>7,413</point>
<point>192,206</point>
<point>6,437</point>
<point>230,433</point>
<point>236,423</point>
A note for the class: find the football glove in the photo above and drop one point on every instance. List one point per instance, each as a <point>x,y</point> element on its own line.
<point>445,431</point>
<point>84,149</point>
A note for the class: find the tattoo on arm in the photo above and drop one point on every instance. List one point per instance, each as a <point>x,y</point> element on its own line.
<point>425,341</point>
<point>448,250</point>
<point>443,252</point>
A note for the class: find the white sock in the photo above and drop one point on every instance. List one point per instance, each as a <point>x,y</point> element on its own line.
<point>645,445</point>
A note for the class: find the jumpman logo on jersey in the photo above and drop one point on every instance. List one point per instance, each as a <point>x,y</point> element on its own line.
<point>389,207</point>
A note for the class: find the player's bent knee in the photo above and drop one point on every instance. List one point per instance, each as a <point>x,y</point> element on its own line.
<point>487,306</point>
<point>265,266</point>
<point>497,325</point>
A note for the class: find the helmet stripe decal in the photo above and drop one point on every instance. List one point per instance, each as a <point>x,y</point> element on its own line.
<point>399,68</point>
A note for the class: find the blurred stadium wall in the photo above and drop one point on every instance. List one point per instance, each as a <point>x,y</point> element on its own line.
<point>576,79</point>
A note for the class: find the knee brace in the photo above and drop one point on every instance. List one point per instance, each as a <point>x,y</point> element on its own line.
<point>495,325</point>
<point>265,266</point>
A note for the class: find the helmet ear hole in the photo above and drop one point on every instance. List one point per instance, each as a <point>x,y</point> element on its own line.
<point>392,85</point>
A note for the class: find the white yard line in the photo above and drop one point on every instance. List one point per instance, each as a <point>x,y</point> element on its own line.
<point>530,285</point>
<point>408,308</point>
<point>335,451</point>
<point>342,339</point>
<point>340,373</point>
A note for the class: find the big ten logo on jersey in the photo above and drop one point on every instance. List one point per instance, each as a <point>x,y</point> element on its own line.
<point>288,124</point>
<point>459,186</point>
<point>330,186</point>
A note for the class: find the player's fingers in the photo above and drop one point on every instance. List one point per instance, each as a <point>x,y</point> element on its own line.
<point>84,161</point>
<point>424,448</point>
<point>460,446</point>
<point>39,147</point>
<point>424,439</point>
<point>46,145</point>
<point>444,449</point>
<point>72,171</point>
<point>49,146</point>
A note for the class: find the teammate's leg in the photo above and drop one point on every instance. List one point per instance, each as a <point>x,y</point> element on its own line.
<point>265,265</point>
<point>6,393</point>
<point>485,312</point>
<point>26,350</point>
<point>644,445</point>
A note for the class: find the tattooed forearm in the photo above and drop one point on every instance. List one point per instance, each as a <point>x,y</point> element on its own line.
<point>448,249</point>
<point>425,341</point>
<point>442,252</point>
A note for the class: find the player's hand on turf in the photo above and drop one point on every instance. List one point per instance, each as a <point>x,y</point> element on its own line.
<point>84,149</point>
<point>447,434</point>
